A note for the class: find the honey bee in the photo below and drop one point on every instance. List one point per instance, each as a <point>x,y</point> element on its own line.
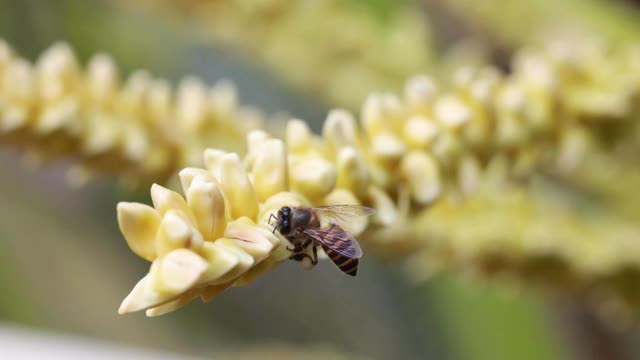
<point>302,227</point>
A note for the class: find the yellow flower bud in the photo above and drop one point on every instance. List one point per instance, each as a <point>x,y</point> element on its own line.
<point>448,148</point>
<point>223,98</point>
<point>245,260</point>
<point>102,135</point>
<point>372,115</point>
<point>419,131</point>
<point>18,87</point>
<point>255,140</point>
<point>57,116</point>
<point>353,174</point>
<point>169,277</point>
<point>159,103</point>
<point>175,232</point>
<point>178,271</point>
<point>422,172</point>
<point>298,136</point>
<point>173,305</point>
<point>386,211</point>
<point>139,224</point>
<point>102,80</point>
<point>254,242</point>
<point>313,176</point>
<point>451,112</point>
<point>340,129</point>
<point>57,69</point>
<point>270,169</point>
<point>387,147</point>
<point>165,200</point>
<point>221,260</point>
<point>213,161</point>
<point>188,174</point>
<point>136,143</point>
<point>237,188</point>
<point>191,104</point>
<point>131,98</point>
<point>208,205</point>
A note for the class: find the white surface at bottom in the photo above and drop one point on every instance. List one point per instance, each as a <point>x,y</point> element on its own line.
<point>26,344</point>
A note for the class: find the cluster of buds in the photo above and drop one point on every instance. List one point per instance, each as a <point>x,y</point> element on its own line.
<point>539,237</point>
<point>427,161</point>
<point>219,235</point>
<point>199,244</point>
<point>138,129</point>
<point>414,159</point>
<point>344,64</point>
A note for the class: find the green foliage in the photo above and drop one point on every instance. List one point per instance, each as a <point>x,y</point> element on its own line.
<point>489,324</point>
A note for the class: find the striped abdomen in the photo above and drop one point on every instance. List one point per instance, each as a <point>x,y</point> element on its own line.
<point>348,265</point>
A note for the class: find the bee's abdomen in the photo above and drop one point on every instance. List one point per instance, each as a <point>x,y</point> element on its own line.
<point>347,265</point>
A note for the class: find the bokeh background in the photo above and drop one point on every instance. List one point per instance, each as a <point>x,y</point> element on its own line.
<point>65,267</point>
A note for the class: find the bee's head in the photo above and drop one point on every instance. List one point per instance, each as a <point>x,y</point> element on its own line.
<point>284,220</point>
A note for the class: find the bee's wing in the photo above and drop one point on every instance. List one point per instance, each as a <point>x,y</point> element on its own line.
<point>336,239</point>
<point>342,215</point>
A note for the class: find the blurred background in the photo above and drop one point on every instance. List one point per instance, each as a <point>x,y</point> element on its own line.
<point>65,267</point>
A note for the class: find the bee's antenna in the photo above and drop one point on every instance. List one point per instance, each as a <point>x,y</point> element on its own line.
<point>275,227</point>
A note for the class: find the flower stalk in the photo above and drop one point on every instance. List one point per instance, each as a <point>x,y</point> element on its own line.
<point>432,164</point>
<point>431,161</point>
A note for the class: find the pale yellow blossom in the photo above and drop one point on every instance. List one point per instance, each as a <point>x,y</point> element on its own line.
<point>195,246</point>
<point>451,169</point>
<point>140,128</point>
<point>439,165</point>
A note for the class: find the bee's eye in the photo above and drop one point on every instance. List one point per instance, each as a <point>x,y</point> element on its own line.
<point>285,228</point>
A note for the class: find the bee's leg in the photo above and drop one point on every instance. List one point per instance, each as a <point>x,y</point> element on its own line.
<point>306,244</point>
<point>300,257</point>
<point>299,248</point>
<point>314,260</point>
<point>296,248</point>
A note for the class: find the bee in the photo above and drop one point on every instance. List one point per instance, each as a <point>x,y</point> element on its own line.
<point>303,228</point>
